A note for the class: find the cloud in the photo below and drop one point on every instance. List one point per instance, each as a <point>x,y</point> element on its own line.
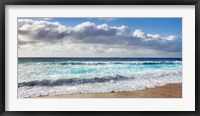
<point>98,39</point>
<point>153,36</point>
<point>91,29</point>
<point>139,34</point>
<point>84,32</point>
<point>170,38</point>
<point>42,30</point>
<point>106,19</point>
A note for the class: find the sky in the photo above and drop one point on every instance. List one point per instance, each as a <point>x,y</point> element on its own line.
<point>100,37</point>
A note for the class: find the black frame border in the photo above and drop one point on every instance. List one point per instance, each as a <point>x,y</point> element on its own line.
<point>98,2</point>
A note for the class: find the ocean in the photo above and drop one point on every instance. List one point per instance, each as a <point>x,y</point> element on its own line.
<point>58,76</point>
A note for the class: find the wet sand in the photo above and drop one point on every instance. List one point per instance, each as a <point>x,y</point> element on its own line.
<point>166,91</point>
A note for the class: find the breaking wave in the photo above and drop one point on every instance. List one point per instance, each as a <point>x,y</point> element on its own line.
<point>117,83</point>
<point>110,63</point>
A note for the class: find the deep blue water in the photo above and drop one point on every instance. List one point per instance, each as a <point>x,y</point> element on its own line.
<point>94,59</point>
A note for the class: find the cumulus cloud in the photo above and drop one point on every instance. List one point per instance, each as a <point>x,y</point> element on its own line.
<point>88,36</point>
<point>171,38</point>
<point>42,30</point>
<point>139,34</point>
<point>154,36</point>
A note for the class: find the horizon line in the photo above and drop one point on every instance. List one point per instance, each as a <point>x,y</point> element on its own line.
<point>99,57</point>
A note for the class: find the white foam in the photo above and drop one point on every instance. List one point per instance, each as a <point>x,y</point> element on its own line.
<point>137,81</point>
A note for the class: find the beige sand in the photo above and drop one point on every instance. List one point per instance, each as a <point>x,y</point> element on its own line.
<point>167,91</point>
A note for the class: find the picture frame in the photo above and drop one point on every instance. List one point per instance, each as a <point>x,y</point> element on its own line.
<point>3,112</point>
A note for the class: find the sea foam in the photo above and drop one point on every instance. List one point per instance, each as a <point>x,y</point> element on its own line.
<point>114,83</point>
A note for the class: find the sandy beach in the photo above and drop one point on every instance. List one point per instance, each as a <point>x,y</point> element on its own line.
<point>166,91</point>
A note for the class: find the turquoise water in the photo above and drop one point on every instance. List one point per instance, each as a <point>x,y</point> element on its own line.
<point>87,73</point>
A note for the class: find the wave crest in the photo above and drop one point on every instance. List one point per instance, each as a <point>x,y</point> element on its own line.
<point>72,81</point>
<point>156,75</point>
<point>95,85</point>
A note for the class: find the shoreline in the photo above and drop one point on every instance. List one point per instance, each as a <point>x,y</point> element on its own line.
<point>166,91</point>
